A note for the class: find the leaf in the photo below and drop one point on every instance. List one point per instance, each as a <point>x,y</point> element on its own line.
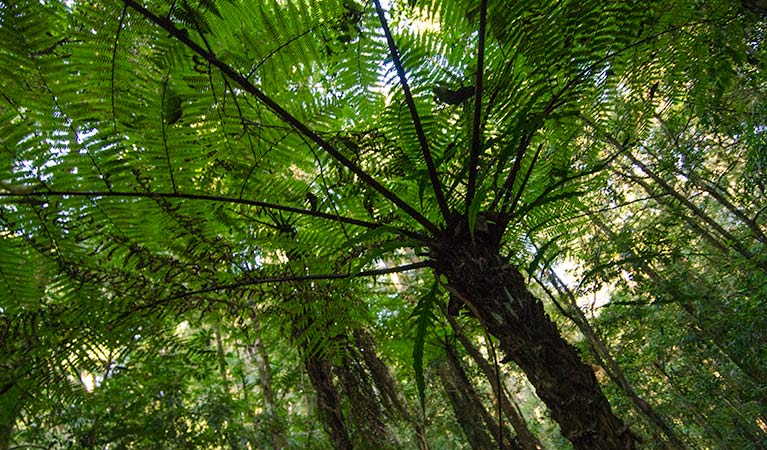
<point>424,318</point>
<point>539,254</point>
<point>172,110</point>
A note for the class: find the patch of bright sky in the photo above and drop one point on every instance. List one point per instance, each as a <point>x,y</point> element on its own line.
<point>569,272</point>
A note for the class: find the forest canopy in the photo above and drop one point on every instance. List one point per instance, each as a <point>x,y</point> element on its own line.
<point>342,224</point>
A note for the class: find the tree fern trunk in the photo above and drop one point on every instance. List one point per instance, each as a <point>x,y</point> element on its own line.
<point>497,294</point>
<point>328,402</point>
<point>498,431</point>
<point>365,412</point>
<point>391,395</point>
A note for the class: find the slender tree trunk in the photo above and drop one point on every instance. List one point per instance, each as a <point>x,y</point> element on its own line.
<point>734,210</point>
<point>328,401</point>
<point>258,352</point>
<point>503,438</point>
<point>391,395</point>
<point>350,407</point>
<point>497,295</point>
<point>702,420</point>
<point>221,354</point>
<point>746,367</point>
<point>366,414</point>
<point>467,408</point>
<point>527,440</point>
<point>225,384</point>
<point>702,232</point>
<point>682,200</point>
<point>713,189</point>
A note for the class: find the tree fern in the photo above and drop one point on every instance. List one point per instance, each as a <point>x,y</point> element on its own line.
<point>166,157</point>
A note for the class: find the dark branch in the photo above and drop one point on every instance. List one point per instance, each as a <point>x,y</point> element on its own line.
<point>165,124</point>
<point>183,37</point>
<point>413,113</point>
<point>476,135</point>
<point>300,278</point>
<point>276,280</point>
<point>508,184</point>
<point>113,65</point>
<point>214,198</point>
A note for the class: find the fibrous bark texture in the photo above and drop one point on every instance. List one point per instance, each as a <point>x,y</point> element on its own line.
<point>497,294</point>
<point>328,402</point>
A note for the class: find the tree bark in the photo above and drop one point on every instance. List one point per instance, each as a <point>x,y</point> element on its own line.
<point>527,440</point>
<point>391,395</point>
<point>503,438</point>
<point>496,293</point>
<point>366,414</point>
<point>466,406</point>
<point>328,401</point>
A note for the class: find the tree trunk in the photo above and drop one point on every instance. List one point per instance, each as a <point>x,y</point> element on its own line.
<point>728,237</point>
<point>503,438</point>
<point>612,369</point>
<point>328,401</point>
<point>258,352</point>
<point>662,200</point>
<point>391,396</point>
<point>497,295</point>
<point>700,418</point>
<point>527,440</point>
<point>466,406</point>
<point>366,413</point>
<point>712,190</point>
<point>221,354</point>
<point>748,368</point>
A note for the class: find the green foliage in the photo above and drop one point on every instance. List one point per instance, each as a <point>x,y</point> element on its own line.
<point>424,316</point>
<point>226,163</point>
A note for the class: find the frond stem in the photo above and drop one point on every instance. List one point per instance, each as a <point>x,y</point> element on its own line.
<point>165,130</point>
<point>476,137</point>
<point>113,65</point>
<point>214,198</point>
<point>279,111</point>
<point>285,279</point>
<point>505,192</point>
<point>521,189</point>
<point>430,167</point>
